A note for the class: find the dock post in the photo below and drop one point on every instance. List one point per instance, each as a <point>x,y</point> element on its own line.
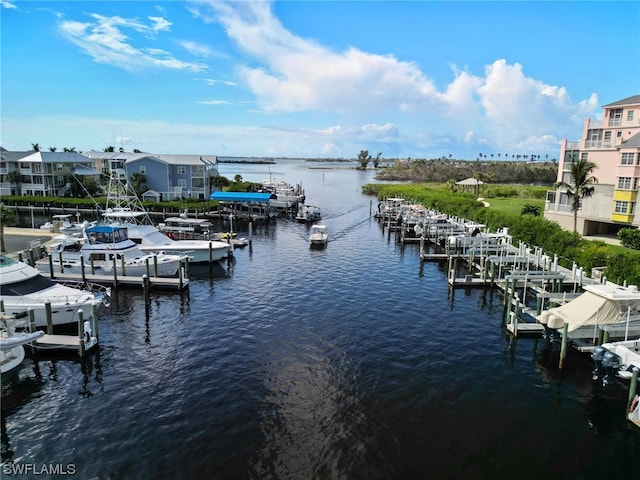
<point>180,273</point>
<point>81,332</point>
<point>32,260</point>
<point>32,320</point>
<point>124,272</point>
<point>47,311</point>
<point>60,258</point>
<point>250,234</point>
<point>155,265</point>
<point>94,320</point>
<point>84,279</point>
<point>146,262</point>
<point>145,288</point>
<point>115,272</point>
<point>632,387</point>
<point>51,267</point>
<point>93,268</point>
<point>563,345</point>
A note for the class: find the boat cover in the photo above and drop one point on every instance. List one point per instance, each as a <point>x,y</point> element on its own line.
<point>587,309</point>
<point>242,197</point>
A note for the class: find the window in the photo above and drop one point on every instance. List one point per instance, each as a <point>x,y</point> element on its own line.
<point>197,171</point>
<point>627,158</point>
<point>607,136</point>
<point>632,208</point>
<point>619,134</point>
<point>621,207</point>
<point>143,170</point>
<point>182,182</point>
<point>630,116</point>
<point>624,183</point>
<point>58,166</point>
<point>635,183</point>
<point>182,170</point>
<point>584,156</point>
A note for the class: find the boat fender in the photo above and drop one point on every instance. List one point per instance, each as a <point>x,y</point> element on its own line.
<point>634,403</point>
<point>87,331</point>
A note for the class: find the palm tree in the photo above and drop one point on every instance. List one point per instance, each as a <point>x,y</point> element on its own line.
<point>581,186</point>
<point>35,147</point>
<point>14,178</point>
<point>6,216</point>
<point>363,159</point>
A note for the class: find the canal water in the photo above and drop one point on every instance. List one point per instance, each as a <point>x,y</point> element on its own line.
<point>356,361</point>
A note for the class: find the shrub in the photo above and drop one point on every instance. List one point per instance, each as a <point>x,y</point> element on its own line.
<point>630,238</point>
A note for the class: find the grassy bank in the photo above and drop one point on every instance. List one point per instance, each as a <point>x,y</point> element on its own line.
<point>621,264</point>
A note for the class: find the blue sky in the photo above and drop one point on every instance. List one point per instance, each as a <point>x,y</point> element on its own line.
<point>418,79</point>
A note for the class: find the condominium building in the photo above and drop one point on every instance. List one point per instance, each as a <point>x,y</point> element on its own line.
<point>613,145</point>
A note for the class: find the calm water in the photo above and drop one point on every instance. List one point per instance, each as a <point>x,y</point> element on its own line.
<point>351,362</point>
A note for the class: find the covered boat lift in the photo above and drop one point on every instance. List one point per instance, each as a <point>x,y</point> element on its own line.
<point>248,205</point>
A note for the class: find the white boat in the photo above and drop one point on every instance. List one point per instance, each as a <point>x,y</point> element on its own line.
<point>23,288</point>
<point>616,360</point>
<point>186,228</point>
<point>308,214</point>
<point>150,240</point>
<point>287,195</point>
<point>318,238</point>
<point>62,223</point>
<point>11,346</point>
<point>105,247</point>
<point>606,307</point>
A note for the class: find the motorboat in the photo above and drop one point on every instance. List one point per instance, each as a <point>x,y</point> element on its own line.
<point>603,307</point>
<point>62,224</point>
<point>616,361</point>
<point>318,238</point>
<point>308,214</point>
<point>152,240</point>
<point>24,289</point>
<point>186,228</point>
<point>12,346</point>
<point>287,195</point>
<point>105,247</point>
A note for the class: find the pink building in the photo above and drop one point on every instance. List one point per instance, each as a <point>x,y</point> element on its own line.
<point>613,144</point>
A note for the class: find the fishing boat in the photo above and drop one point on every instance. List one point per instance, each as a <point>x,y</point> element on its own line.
<point>24,289</point>
<point>104,248</point>
<point>318,238</point>
<point>308,214</point>
<point>616,360</point>
<point>601,308</point>
<point>152,240</point>
<point>12,346</point>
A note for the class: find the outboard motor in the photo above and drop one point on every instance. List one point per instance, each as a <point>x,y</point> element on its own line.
<point>611,363</point>
<point>597,356</point>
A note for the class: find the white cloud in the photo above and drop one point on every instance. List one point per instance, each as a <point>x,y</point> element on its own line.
<point>214,102</point>
<point>7,5</point>
<point>104,40</point>
<point>196,48</point>
<point>502,106</point>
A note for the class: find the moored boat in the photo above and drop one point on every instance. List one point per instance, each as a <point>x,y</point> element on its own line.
<point>12,346</point>
<point>105,248</point>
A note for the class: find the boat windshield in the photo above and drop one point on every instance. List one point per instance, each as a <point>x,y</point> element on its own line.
<point>6,261</point>
<point>25,287</point>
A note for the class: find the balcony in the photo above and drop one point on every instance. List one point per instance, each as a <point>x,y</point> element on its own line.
<point>598,144</point>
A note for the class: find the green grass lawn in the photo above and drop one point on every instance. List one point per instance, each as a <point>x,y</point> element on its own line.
<point>514,205</point>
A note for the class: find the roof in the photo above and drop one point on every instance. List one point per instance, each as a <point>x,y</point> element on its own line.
<point>632,142</point>
<point>470,181</point>
<point>56,157</point>
<point>85,171</point>
<point>633,100</point>
<point>178,159</point>
<point>242,197</point>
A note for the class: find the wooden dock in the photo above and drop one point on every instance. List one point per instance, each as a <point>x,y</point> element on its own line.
<point>136,281</point>
<point>65,343</point>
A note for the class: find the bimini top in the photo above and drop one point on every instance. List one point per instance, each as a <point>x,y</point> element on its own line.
<point>243,197</point>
